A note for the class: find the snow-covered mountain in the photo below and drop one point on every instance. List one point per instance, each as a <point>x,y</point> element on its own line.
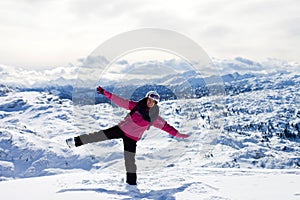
<point>254,124</point>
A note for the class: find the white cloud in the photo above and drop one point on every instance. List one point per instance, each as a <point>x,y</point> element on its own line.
<point>54,33</point>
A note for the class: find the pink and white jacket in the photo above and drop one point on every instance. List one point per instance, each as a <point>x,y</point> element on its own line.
<point>134,126</point>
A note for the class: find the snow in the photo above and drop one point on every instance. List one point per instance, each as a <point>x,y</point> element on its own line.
<point>243,145</point>
<point>172,183</point>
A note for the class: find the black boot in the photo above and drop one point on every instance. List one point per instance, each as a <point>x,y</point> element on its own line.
<point>78,141</point>
<point>131,178</point>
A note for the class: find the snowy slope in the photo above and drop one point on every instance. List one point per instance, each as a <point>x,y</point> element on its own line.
<point>257,127</point>
<point>240,137</point>
<point>172,183</point>
<point>32,127</point>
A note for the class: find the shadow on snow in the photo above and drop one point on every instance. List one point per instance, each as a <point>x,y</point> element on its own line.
<point>153,194</point>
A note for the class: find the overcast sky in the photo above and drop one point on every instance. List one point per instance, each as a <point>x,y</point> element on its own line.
<point>45,33</point>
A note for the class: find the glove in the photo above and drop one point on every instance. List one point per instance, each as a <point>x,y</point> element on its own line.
<point>179,135</point>
<point>100,90</point>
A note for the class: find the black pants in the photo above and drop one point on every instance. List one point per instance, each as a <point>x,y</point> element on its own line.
<point>129,148</point>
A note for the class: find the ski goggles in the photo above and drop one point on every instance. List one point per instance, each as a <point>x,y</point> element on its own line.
<point>155,97</point>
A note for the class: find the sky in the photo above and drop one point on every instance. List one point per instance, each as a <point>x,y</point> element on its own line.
<point>56,33</point>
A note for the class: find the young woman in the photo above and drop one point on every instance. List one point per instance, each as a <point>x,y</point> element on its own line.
<point>142,115</point>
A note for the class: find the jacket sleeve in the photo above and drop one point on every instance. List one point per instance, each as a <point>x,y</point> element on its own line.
<point>163,125</point>
<point>124,103</point>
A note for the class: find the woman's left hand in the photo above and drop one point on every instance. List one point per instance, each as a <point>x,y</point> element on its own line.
<point>100,90</point>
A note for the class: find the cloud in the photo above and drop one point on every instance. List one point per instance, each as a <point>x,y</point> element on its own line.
<point>292,27</point>
<point>56,32</point>
<point>218,30</point>
<point>244,65</point>
<point>163,19</point>
<point>103,9</point>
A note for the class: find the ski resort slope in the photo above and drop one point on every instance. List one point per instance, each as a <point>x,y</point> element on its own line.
<point>173,183</point>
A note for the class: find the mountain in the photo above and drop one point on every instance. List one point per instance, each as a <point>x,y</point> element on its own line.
<point>254,124</point>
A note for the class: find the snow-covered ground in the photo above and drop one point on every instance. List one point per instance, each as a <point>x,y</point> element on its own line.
<point>243,145</point>
<point>182,183</point>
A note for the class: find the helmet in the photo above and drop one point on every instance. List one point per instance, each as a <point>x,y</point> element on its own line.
<point>153,95</point>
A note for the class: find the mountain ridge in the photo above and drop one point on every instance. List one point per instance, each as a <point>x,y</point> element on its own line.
<point>260,123</point>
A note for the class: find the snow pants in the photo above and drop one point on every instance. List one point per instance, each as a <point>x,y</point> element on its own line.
<point>129,148</point>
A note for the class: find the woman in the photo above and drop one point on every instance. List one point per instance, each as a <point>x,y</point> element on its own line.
<point>142,115</point>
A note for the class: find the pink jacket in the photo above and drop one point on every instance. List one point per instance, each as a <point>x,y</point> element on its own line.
<point>135,126</point>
